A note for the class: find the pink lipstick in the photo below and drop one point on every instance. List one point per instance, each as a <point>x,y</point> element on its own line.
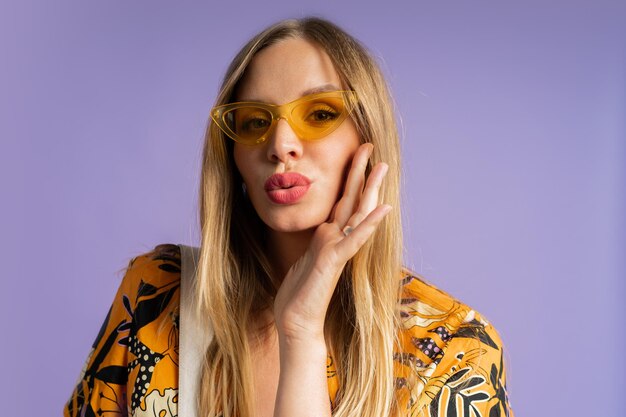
<point>286,188</point>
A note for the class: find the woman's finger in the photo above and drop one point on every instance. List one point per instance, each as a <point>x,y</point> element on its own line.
<point>354,185</point>
<point>369,197</point>
<point>357,237</point>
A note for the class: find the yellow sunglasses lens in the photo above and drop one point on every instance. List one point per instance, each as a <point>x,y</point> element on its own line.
<point>248,123</point>
<point>316,118</point>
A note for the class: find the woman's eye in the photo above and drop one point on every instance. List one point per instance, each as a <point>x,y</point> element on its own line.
<point>255,123</point>
<point>322,115</point>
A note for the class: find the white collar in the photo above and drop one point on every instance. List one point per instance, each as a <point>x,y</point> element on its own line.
<point>194,336</point>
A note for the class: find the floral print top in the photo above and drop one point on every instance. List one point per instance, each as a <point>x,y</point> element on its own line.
<point>449,362</point>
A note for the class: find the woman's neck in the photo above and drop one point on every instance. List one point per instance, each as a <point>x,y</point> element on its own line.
<point>285,248</point>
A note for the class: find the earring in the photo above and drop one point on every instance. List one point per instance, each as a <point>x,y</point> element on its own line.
<point>244,189</point>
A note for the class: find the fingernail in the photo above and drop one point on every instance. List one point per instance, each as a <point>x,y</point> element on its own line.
<point>385,169</point>
<point>382,172</point>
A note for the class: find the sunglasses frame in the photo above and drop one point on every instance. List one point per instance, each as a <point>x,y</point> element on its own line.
<point>282,111</point>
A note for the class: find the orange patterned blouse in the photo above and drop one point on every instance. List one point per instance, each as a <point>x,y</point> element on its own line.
<point>450,363</point>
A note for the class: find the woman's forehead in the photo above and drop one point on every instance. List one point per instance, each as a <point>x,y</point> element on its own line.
<point>286,71</point>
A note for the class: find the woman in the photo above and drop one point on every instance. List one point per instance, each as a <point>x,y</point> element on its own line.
<point>296,303</point>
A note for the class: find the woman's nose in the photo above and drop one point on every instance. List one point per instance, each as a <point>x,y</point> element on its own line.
<point>283,143</point>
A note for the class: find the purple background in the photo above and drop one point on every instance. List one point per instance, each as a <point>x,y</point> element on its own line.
<point>514,158</point>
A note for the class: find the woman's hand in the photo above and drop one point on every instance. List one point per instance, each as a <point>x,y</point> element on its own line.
<point>303,298</point>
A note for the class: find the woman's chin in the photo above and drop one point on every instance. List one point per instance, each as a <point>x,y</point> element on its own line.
<point>292,228</point>
<point>300,224</point>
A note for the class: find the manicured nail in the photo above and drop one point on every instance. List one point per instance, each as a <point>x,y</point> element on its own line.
<point>382,171</point>
<point>385,170</point>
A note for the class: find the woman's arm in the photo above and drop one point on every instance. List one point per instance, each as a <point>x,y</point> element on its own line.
<point>303,298</point>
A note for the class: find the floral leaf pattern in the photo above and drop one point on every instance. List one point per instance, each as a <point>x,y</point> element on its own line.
<point>459,396</point>
<point>475,329</point>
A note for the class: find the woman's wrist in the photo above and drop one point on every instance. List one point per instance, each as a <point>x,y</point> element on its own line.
<point>303,343</point>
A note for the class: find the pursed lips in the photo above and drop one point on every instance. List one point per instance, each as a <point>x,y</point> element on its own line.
<point>286,180</point>
<point>286,188</point>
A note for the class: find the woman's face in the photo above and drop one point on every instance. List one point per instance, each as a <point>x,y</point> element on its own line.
<point>280,74</point>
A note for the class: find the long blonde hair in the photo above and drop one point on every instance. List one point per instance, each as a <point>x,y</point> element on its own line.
<point>235,278</point>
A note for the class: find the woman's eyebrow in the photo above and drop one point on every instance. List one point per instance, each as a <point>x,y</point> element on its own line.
<point>321,89</point>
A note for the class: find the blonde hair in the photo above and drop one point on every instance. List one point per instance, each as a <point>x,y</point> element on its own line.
<point>235,278</point>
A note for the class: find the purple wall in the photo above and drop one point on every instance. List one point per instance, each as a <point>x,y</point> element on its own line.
<point>514,155</point>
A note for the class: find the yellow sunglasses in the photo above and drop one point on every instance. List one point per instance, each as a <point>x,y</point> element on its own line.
<point>311,117</point>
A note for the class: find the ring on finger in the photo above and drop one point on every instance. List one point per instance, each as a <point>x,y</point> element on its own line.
<point>347,230</point>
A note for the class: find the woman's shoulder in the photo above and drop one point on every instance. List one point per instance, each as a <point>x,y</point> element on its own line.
<point>423,307</point>
<point>447,352</point>
<point>150,287</point>
<point>153,275</point>
<point>151,284</point>
<point>158,266</point>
